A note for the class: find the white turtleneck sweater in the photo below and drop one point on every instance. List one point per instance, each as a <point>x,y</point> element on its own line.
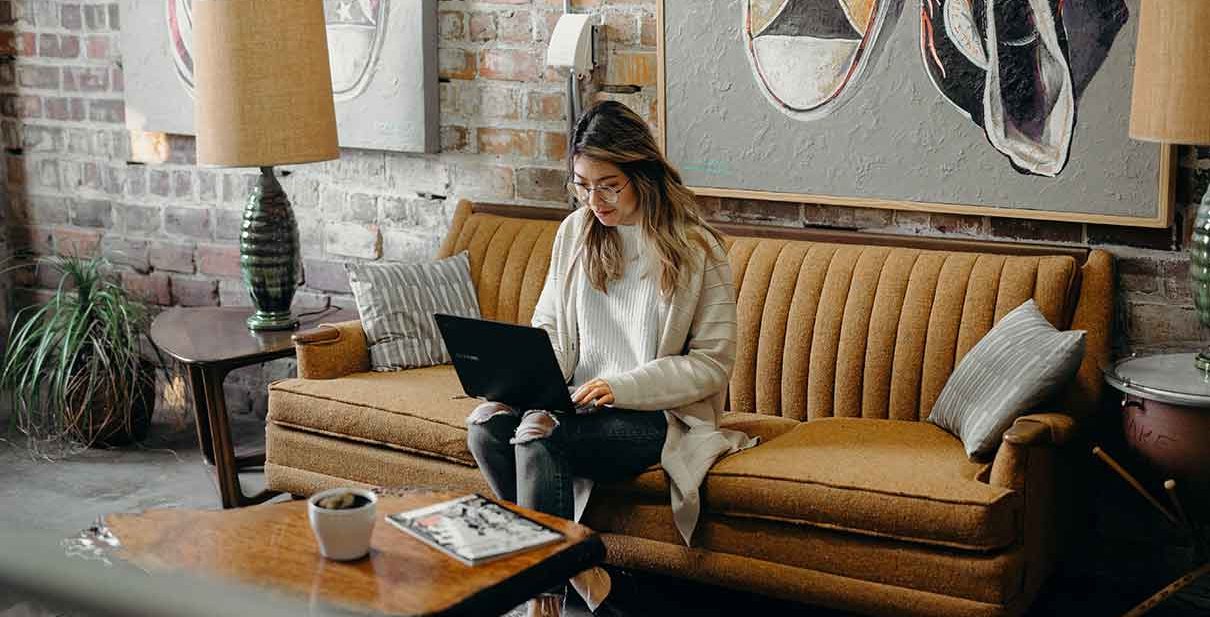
<point>687,379</point>
<point>620,330</point>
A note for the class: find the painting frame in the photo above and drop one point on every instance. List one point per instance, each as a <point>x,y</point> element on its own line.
<point>1162,216</point>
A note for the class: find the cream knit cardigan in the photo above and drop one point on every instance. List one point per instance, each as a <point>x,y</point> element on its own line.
<point>688,378</point>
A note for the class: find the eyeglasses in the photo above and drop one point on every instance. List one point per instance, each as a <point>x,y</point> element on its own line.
<point>583,192</point>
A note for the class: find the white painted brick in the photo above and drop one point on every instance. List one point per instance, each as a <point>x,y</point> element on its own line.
<point>352,240</point>
<point>448,93</point>
<point>313,301</point>
<point>365,168</point>
<point>45,174</point>
<point>310,236</point>
<point>232,292</point>
<point>413,213</point>
<point>502,102</point>
<point>475,180</point>
<point>417,174</point>
<point>331,199</point>
<point>461,98</point>
<point>410,246</point>
<point>303,191</point>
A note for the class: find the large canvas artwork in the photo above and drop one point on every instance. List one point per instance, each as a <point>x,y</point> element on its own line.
<point>1000,107</point>
<point>382,54</point>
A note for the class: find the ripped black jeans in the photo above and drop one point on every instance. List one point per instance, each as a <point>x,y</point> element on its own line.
<point>531,459</point>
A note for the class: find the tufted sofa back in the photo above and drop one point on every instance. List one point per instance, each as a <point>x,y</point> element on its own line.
<point>829,329</point>
<point>508,256</point>
<point>870,332</point>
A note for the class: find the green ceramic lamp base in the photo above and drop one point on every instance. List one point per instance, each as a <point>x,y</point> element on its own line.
<point>1199,272</point>
<point>267,320</point>
<point>268,254</point>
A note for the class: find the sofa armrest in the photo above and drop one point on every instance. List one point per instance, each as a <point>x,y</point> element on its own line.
<point>1011,464</point>
<point>1040,429</point>
<point>332,350</point>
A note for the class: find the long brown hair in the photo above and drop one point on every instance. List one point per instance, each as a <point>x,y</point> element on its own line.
<point>610,132</point>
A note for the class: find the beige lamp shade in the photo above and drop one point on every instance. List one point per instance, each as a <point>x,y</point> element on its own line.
<point>264,87</point>
<point>1171,97</point>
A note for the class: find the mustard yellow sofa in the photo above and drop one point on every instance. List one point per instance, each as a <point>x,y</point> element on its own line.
<point>851,501</point>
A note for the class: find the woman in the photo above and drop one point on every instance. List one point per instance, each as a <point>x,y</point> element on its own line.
<point>640,309</point>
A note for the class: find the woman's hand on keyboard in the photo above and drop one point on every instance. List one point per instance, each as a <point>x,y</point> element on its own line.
<point>595,393</point>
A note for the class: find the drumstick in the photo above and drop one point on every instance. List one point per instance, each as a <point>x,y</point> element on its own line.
<point>1170,487</point>
<point>1166,592</point>
<point>1104,456</point>
<point>1198,538</point>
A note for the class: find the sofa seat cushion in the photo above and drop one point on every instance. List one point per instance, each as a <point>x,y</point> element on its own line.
<point>651,486</point>
<point>422,411</point>
<point>994,577</point>
<point>889,478</point>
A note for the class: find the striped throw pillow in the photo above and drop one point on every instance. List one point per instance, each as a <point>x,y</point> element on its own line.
<point>1017,365</point>
<point>397,302</point>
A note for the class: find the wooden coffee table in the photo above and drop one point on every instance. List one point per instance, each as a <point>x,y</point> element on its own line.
<point>272,546</point>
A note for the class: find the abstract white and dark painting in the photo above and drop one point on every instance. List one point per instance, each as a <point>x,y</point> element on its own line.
<point>382,54</point>
<point>1017,68</point>
<point>1011,104</point>
<point>808,54</point>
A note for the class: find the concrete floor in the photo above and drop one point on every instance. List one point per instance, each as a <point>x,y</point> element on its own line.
<point>65,496</point>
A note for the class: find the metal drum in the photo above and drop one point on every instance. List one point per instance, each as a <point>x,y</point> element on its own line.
<point>1166,412</point>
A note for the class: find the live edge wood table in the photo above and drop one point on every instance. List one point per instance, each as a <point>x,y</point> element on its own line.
<point>272,546</point>
<point>211,342</point>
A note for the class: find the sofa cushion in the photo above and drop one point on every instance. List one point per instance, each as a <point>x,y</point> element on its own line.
<point>420,410</point>
<point>651,486</point>
<point>397,303</point>
<point>1020,362</point>
<point>889,478</point>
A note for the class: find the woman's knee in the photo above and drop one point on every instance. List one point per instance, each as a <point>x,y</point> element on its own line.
<point>538,444</point>
<point>489,436</point>
<point>535,425</point>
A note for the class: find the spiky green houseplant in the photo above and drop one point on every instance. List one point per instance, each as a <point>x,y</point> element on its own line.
<point>74,365</point>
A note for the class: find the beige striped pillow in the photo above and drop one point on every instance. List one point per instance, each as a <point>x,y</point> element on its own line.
<point>397,302</point>
<point>1015,366</point>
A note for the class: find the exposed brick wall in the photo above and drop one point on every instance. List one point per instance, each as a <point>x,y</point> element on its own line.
<point>171,228</point>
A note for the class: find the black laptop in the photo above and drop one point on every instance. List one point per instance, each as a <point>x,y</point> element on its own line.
<point>505,362</point>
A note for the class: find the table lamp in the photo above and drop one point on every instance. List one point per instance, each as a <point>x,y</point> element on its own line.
<point>1169,105</point>
<point>264,98</point>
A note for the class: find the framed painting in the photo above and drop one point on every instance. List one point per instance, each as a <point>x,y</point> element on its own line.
<point>383,55</point>
<point>1013,108</point>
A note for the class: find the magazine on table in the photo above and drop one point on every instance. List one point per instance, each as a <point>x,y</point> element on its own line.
<point>474,529</point>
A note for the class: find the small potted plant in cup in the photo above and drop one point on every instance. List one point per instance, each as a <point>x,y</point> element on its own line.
<point>343,519</point>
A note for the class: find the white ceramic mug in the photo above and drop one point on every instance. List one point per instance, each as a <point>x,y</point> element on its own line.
<point>343,535</point>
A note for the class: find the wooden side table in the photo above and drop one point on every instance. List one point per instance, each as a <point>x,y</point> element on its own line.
<point>211,342</point>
